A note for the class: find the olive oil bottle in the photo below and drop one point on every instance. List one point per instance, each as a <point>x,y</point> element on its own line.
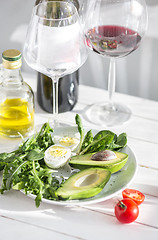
<point>16,98</point>
<point>68,85</point>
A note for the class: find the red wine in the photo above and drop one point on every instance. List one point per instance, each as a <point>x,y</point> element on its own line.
<point>113,41</point>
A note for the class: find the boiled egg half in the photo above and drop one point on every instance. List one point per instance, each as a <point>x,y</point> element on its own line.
<point>57,156</point>
<point>70,142</point>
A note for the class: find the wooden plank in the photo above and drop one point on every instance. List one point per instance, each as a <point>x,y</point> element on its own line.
<point>84,223</point>
<point>139,106</point>
<point>145,152</point>
<point>20,229</point>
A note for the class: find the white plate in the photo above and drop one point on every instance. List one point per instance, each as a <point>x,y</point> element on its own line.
<point>116,184</point>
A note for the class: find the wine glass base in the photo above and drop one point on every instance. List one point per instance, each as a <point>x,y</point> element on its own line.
<point>104,114</point>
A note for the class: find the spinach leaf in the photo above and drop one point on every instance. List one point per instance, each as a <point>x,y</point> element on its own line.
<point>122,140</point>
<point>118,142</point>
<point>100,142</point>
<point>104,139</point>
<point>88,139</point>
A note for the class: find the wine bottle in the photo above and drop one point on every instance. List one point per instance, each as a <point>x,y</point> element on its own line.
<point>68,85</point>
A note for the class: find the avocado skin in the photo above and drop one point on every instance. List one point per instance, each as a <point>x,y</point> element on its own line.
<point>112,165</point>
<point>71,192</point>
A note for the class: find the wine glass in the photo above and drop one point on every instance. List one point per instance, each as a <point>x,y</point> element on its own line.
<point>55,43</point>
<point>114,29</point>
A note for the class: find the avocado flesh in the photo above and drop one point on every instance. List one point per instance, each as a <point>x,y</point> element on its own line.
<point>84,161</point>
<point>84,184</point>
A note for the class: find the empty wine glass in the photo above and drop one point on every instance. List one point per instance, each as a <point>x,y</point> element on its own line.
<point>55,44</point>
<point>114,29</point>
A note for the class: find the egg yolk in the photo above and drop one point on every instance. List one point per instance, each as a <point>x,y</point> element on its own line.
<point>57,151</point>
<point>68,141</point>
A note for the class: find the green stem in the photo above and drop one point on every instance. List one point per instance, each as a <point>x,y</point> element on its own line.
<point>8,185</point>
<point>36,176</point>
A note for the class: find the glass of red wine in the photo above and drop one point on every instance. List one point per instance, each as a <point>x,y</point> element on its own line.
<point>114,29</point>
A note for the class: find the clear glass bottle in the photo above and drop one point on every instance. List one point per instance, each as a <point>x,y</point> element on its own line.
<point>16,98</point>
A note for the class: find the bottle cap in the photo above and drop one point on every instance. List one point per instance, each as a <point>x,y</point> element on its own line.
<point>11,59</point>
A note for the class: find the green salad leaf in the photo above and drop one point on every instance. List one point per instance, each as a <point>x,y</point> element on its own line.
<point>100,142</point>
<point>25,168</point>
<point>118,142</point>
<point>88,139</point>
<point>103,140</point>
<point>35,155</point>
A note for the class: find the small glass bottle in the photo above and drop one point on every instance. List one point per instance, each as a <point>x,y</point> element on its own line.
<point>16,98</point>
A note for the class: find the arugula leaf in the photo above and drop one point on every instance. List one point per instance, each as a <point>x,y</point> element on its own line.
<point>42,140</point>
<point>81,131</point>
<point>35,155</point>
<point>5,158</point>
<point>25,169</point>
<point>11,171</point>
<point>28,144</point>
<point>39,183</point>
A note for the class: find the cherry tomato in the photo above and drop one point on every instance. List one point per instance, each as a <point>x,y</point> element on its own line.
<point>126,210</point>
<point>135,195</point>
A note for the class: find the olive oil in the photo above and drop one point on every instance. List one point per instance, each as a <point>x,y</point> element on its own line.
<point>16,98</point>
<point>16,117</point>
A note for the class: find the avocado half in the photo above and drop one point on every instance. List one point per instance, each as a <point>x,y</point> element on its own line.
<point>85,161</point>
<point>84,184</point>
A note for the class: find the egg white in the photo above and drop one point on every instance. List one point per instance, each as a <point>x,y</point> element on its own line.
<point>69,141</point>
<point>57,156</point>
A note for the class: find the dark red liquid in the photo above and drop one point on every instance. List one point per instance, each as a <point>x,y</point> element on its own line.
<point>114,41</point>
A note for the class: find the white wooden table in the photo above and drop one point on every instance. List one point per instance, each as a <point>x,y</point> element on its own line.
<point>20,219</point>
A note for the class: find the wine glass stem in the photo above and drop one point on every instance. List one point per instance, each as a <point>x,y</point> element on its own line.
<point>55,82</point>
<point>111,82</point>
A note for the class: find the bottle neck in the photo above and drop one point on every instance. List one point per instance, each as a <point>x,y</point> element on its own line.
<point>12,76</point>
<point>75,2</point>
